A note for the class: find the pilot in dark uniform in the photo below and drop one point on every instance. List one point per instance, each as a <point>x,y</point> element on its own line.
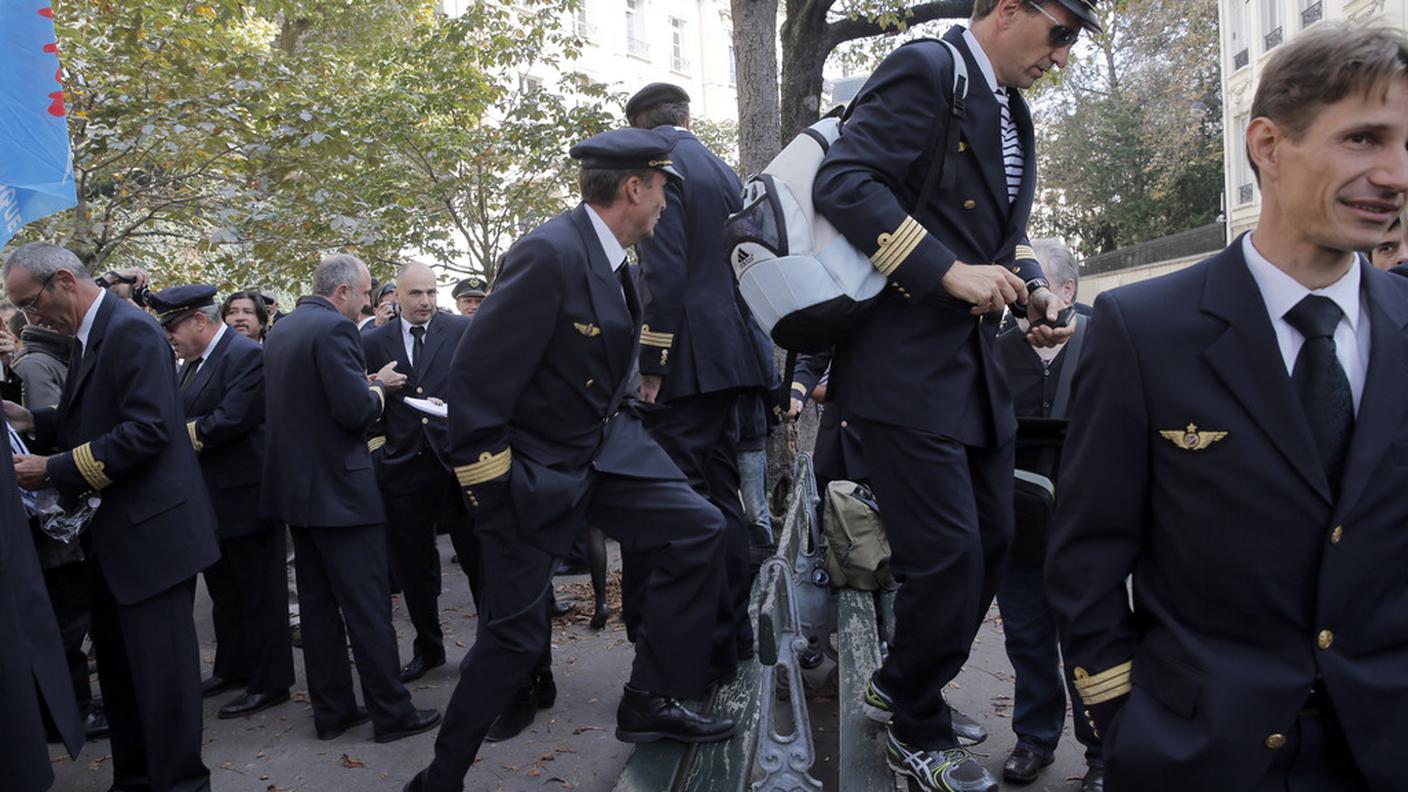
<point>544,436</point>
<point>117,439</point>
<point>697,353</point>
<point>222,393</point>
<point>921,377</point>
<point>1239,444</point>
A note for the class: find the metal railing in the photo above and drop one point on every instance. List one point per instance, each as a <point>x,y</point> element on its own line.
<point>680,65</point>
<point>1240,59</point>
<point>1311,14</point>
<point>637,47</point>
<point>1204,239</point>
<point>584,29</point>
<point>1274,38</point>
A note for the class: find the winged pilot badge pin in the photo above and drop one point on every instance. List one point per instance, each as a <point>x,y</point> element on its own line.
<point>588,330</point>
<point>1191,439</point>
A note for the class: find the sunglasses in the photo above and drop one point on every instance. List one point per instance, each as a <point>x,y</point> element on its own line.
<point>1060,35</point>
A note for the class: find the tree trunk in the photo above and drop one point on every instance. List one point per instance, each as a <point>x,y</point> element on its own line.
<point>755,48</point>
<point>804,51</point>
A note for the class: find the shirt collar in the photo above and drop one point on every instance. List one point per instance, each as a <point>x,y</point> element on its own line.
<point>205,353</point>
<point>406,327</point>
<point>615,254</point>
<point>86,326</point>
<point>1281,292</point>
<point>984,65</point>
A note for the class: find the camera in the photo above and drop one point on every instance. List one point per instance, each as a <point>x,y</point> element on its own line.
<point>141,295</point>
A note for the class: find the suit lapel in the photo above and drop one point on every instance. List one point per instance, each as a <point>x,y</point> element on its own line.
<point>1021,116</point>
<point>206,372</point>
<point>398,349</point>
<point>982,124</point>
<point>1248,360</point>
<point>90,351</point>
<point>605,290</point>
<point>434,340</point>
<point>1382,407</point>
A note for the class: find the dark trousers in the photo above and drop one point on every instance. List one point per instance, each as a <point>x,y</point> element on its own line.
<point>149,669</point>
<point>948,515</point>
<point>68,591</point>
<point>249,606</point>
<point>412,516</point>
<point>700,433</point>
<point>342,579</point>
<point>1039,704</point>
<point>683,537</point>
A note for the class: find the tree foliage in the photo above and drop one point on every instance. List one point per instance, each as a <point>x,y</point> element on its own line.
<point>237,141</point>
<point>1130,139</point>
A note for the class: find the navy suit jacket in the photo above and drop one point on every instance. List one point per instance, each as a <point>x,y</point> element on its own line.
<point>697,330</point>
<point>31,654</point>
<point>1241,557</point>
<point>118,431</point>
<point>920,359</point>
<point>318,407</point>
<point>224,408</point>
<point>408,432</point>
<point>539,383</point>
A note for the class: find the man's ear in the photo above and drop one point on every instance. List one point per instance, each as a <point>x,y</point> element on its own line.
<point>1263,143</point>
<point>1007,11</point>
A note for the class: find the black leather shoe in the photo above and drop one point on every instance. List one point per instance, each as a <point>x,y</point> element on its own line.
<point>1024,765</point>
<point>1094,780</point>
<point>335,730</point>
<point>250,703</point>
<point>518,715</point>
<point>967,729</point>
<point>415,723</point>
<point>215,685</point>
<point>645,717</point>
<point>416,784</point>
<point>600,616</point>
<point>95,725</point>
<point>419,667</point>
<point>561,608</point>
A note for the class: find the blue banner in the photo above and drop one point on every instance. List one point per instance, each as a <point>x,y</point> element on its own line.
<point>36,170</point>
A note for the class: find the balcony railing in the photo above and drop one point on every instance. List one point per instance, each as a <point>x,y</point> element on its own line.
<point>1273,39</point>
<point>1240,59</point>
<point>680,65</point>
<point>638,48</point>
<point>1244,194</point>
<point>584,30</point>
<point>1311,14</point>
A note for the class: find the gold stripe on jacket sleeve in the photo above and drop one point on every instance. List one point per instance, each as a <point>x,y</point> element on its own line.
<point>489,467</point>
<point>89,467</point>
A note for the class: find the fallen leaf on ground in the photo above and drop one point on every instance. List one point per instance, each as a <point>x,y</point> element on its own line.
<point>348,761</point>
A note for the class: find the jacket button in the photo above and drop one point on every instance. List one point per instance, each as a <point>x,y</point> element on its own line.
<point>1337,534</point>
<point>425,420</point>
<point>420,390</point>
<point>1325,640</point>
<point>970,204</point>
<point>844,424</point>
<point>1276,741</point>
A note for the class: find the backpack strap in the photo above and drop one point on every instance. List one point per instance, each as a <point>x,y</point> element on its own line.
<point>941,170</point>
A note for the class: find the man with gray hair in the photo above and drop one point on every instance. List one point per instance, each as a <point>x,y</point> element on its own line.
<point>116,441</point>
<point>1040,380</point>
<point>222,392</point>
<point>318,479</point>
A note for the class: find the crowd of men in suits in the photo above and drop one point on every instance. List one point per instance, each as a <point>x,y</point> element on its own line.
<point>1236,442</point>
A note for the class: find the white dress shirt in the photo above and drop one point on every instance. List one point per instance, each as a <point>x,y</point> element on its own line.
<point>409,341</point>
<point>1281,293</point>
<point>86,326</point>
<point>615,254</point>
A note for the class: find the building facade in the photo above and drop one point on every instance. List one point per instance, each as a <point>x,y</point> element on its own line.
<point>1251,30</point>
<point>629,43</point>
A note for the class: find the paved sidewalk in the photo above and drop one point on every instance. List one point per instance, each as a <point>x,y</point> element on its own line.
<point>570,747</point>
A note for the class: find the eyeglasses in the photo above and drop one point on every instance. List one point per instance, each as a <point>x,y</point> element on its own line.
<point>31,306</point>
<point>1060,35</point>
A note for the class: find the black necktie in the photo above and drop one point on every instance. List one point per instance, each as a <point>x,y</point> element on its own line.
<point>417,344</point>
<point>188,372</point>
<point>1320,382</point>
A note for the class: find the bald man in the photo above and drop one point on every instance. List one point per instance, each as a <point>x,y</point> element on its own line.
<point>417,484</point>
